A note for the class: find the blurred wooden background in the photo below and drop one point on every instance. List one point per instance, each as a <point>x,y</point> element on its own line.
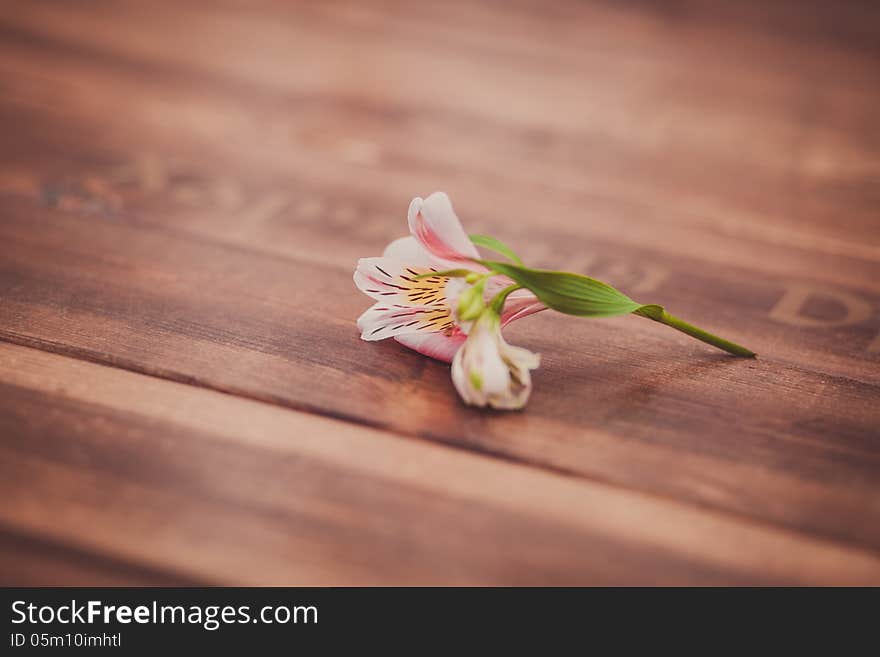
<point>185,189</point>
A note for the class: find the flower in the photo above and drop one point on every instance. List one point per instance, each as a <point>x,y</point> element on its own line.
<point>421,313</point>
<point>487,371</point>
<point>436,295</point>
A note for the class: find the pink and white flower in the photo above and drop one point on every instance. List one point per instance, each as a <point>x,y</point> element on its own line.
<point>434,294</point>
<point>420,312</point>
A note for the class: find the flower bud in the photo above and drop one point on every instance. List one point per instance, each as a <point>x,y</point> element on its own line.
<point>470,303</point>
<point>487,371</point>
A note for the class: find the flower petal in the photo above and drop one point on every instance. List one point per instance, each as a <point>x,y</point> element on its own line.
<point>434,224</point>
<point>394,282</point>
<point>478,371</point>
<point>468,383</point>
<point>518,306</point>
<point>519,359</point>
<point>408,249</point>
<point>381,321</point>
<point>487,359</point>
<point>441,346</point>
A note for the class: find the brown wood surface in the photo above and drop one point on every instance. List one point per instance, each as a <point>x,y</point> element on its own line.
<point>185,189</point>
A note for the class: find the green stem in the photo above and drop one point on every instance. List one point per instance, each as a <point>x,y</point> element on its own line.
<point>452,273</point>
<point>659,314</point>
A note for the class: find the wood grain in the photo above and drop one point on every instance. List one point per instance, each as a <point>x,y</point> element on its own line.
<point>179,469</point>
<point>182,207</point>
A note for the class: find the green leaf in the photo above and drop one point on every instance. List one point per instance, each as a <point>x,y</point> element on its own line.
<point>488,242</point>
<point>568,293</point>
<point>575,294</point>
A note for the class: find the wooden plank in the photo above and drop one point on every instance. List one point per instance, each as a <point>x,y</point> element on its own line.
<point>224,489</point>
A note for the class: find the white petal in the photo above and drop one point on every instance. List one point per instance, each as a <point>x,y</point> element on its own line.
<point>380,321</point>
<point>407,249</point>
<point>394,282</point>
<point>520,358</point>
<point>496,376</point>
<point>463,381</point>
<point>415,207</point>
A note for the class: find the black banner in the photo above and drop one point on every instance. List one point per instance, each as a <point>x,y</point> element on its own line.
<point>132,620</point>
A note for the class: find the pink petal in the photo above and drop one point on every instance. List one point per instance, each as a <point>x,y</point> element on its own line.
<point>435,345</point>
<point>521,303</point>
<point>434,224</point>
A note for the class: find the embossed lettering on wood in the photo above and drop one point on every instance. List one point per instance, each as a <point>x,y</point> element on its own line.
<point>792,307</point>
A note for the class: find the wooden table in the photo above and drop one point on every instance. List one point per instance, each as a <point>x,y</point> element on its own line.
<point>184,397</point>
